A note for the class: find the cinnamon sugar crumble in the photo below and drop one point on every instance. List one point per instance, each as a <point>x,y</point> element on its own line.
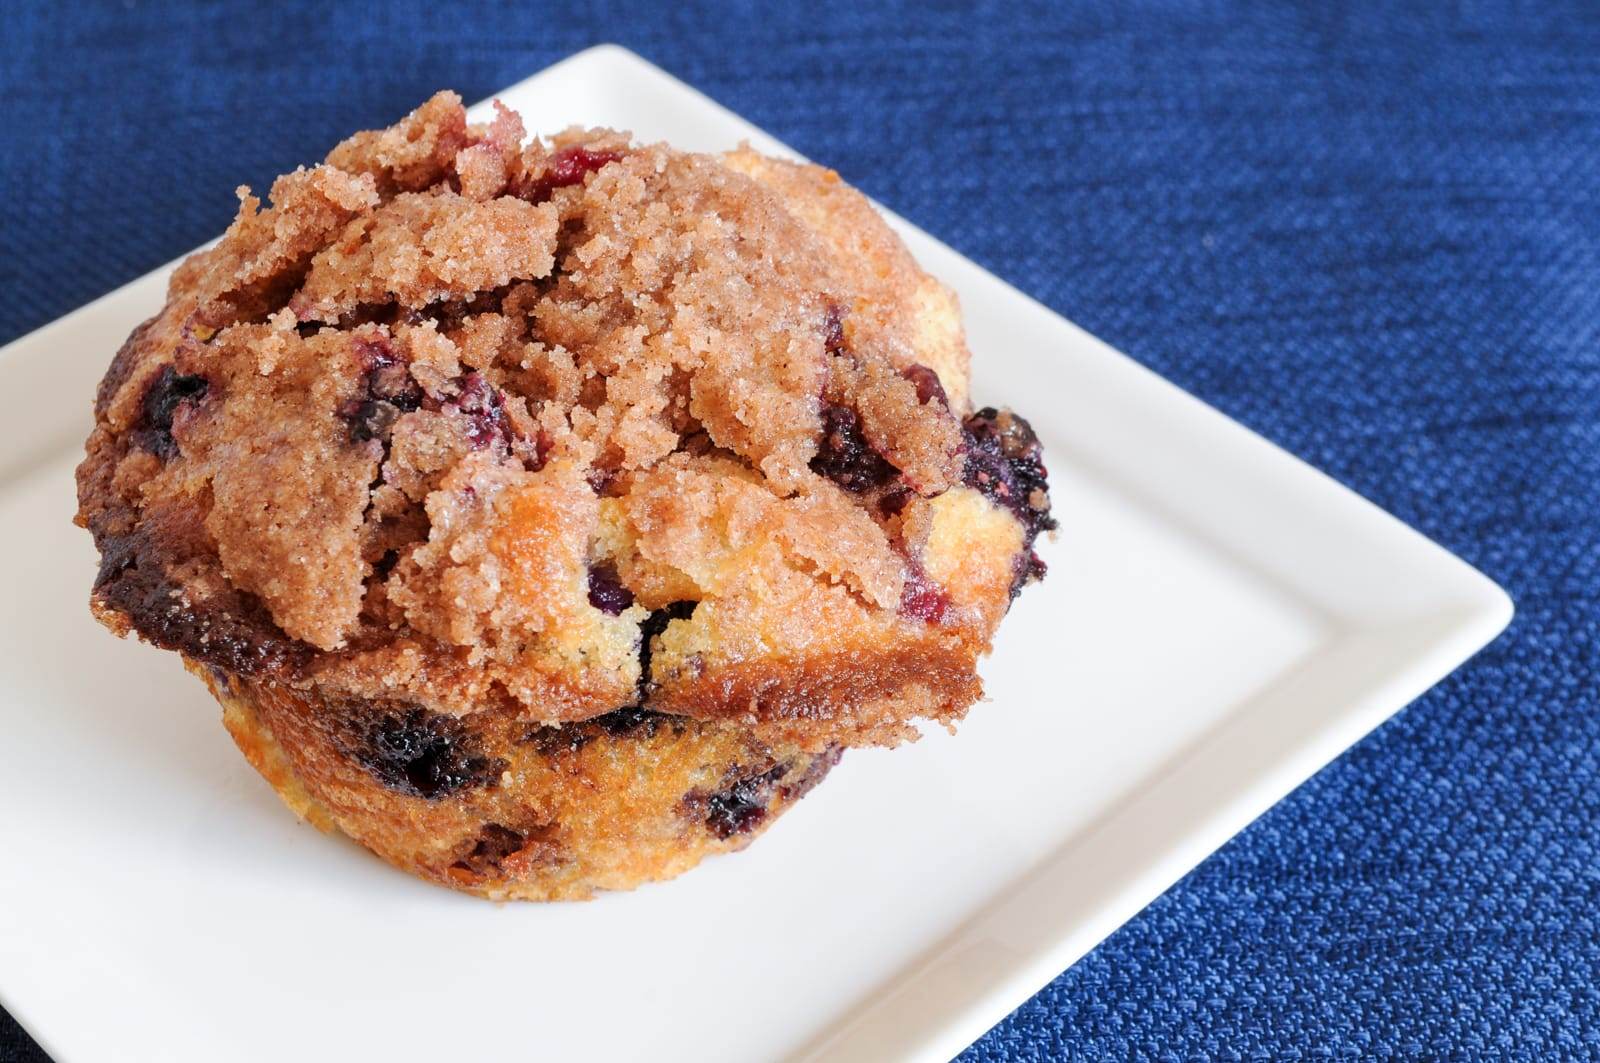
<point>457,413</point>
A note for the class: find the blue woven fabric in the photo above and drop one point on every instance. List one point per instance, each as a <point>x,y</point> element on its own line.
<point>1372,233</point>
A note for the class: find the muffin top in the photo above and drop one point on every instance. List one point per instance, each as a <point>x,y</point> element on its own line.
<point>558,428</point>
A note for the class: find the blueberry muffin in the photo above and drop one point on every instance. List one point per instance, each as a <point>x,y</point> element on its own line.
<point>547,516</point>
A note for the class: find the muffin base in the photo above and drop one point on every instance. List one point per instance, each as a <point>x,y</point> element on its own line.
<point>497,807</point>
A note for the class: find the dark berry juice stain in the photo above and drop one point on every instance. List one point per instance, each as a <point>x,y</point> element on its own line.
<point>1027,568</point>
<point>393,384</point>
<point>635,721</point>
<point>606,592</point>
<point>425,754</point>
<point>653,625</point>
<point>389,391</point>
<point>374,352</point>
<point>921,598</point>
<point>741,806</point>
<point>632,722</point>
<point>485,410</point>
<point>569,166</point>
<point>927,382</point>
<point>1006,463</point>
<point>892,501</point>
<point>844,455</point>
<point>169,390</point>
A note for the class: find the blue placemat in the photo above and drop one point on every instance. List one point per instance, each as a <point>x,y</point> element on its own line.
<point>1370,232</point>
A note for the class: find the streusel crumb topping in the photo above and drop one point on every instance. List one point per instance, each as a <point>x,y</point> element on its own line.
<point>563,427</point>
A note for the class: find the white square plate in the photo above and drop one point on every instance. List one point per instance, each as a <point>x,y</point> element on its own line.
<point>1220,620</point>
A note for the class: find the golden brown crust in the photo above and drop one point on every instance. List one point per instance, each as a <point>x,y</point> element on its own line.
<point>507,810</point>
<point>854,698</point>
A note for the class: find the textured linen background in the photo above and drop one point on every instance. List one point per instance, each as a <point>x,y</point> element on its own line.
<point>1371,233</point>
